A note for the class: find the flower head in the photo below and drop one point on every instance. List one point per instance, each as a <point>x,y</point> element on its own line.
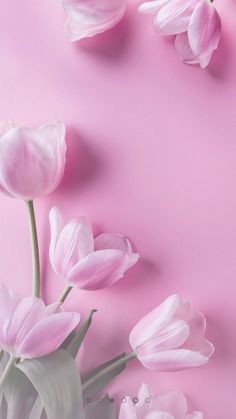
<point>32,161</point>
<point>85,262</point>
<point>171,337</point>
<point>171,405</point>
<point>29,329</point>
<point>197,44</point>
<point>196,24</point>
<point>87,18</point>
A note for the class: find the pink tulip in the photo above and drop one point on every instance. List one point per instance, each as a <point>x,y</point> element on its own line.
<point>29,329</point>
<point>85,262</point>
<point>197,45</point>
<point>31,160</point>
<point>171,337</point>
<point>87,18</point>
<point>195,22</point>
<point>171,405</point>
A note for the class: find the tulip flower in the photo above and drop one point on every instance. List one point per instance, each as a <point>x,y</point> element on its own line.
<point>171,337</point>
<point>87,18</point>
<point>29,329</point>
<point>85,262</point>
<point>171,405</point>
<point>195,22</point>
<point>32,161</point>
<point>197,45</point>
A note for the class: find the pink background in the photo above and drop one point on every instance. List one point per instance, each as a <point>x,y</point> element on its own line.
<point>151,154</point>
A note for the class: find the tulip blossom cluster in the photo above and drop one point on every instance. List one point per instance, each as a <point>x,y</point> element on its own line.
<point>39,342</point>
<point>172,405</point>
<point>195,24</point>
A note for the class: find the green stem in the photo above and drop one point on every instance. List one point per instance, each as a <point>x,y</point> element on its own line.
<point>6,371</point>
<point>109,368</point>
<point>65,293</point>
<point>35,249</point>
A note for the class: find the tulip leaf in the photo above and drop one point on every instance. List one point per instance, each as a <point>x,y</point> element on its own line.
<point>103,408</point>
<point>4,357</point>
<point>73,342</point>
<point>57,381</point>
<point>37,411</point>
<point>19,395</point>
<point>98,378</point>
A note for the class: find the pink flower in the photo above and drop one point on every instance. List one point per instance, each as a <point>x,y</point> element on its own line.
<point>197,45</point>
<point>195,22</point>
<point>171,337</point>
<point>29,329</point>
<point>171,405</point>
<point>31,160</point>
<point>85,262</point>
<point>87,18</point>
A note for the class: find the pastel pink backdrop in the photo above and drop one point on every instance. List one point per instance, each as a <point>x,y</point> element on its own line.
<point>151,154</point>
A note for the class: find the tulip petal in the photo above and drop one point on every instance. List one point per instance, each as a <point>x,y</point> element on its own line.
<point>184,50</point>
<point>96,270</point>
<point>6,304</point>
<point>158,415</point>
<point>173,360</point>
<point>117,242</point>
<point>204,31</point>
<point>112,241</point>
<point>171,337</point>
<point>29,311</point>
<point>87,18</point>
<point>152,6</point>
<point>173,402</point>
<point>154,322</point>
<point>74,242</point>
<point>54,134</point>
<point>6,126</point>
<point>200,344</point>
<point>48,334</point>
<point>174,17</point>
<point>29,165</point>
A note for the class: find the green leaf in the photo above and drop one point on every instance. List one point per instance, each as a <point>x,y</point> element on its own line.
<point>57,381</point>
<point>73,342</point>
<point>37,411</point>
<point>19,395</point>
<point>103,408</point>
<point>97,379</point>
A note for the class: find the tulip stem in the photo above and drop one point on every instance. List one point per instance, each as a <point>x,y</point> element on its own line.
<point>6,371</point>
<point>35,250</point>
<point>112,366</point>
<point>65,293</point>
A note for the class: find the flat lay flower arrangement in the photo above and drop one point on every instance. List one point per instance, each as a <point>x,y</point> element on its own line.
<point>39,343</point>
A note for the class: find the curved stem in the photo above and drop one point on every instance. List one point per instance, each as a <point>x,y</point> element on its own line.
<point>6,371</point>
<point>65,293</point>
<point>35,249</point>
<point>120,362</point>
